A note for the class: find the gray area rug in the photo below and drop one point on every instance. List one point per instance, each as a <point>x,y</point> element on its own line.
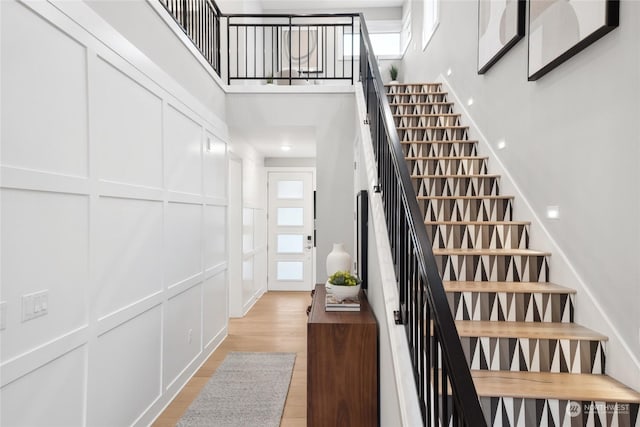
<point>247,389</point>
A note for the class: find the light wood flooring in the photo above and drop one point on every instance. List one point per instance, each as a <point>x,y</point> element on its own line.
<point>276,323</point>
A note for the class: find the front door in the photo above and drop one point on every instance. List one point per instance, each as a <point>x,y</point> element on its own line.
<point>290,247</point>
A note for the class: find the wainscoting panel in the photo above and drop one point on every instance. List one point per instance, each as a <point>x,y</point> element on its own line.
<point>215,226</point>
<point>104,159</point>
<point>183,225</point>
<point>47,405</point>
<point>124,370</point>
<point>183,152</point>
<point>248,287</point>
<point>127,119</point>
<point>38,131</point>
<point>182,333</point>
<point>128,247</point>
<point>214,316</point>
<point>215,167</point>
<point>44,247</point>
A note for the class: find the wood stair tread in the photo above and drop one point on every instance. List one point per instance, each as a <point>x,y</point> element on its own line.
<point>493,252</point>
<point>507,287</point>
<point>546,385</point>
<point>535,330</point>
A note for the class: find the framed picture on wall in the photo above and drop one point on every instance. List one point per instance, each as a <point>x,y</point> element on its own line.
<point>304,47</point>
<point>500,26</point>
<point>559,29</point>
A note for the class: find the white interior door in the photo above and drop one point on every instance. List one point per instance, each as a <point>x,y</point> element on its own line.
<point>290,248</point>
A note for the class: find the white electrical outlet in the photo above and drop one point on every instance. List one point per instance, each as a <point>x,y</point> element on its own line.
<point>35,305</point>
<point>3,315</point>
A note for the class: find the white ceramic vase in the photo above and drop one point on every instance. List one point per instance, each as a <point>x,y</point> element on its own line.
<point>338,259</point>
<point>342,292</point>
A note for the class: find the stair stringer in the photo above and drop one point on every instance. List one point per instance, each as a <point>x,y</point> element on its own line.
<point>622,363</point>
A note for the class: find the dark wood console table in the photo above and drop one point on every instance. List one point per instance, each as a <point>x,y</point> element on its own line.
<point>342,365</point>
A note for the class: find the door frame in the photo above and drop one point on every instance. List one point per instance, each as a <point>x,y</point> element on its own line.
<point>234,240</point>
<point>293,169</point>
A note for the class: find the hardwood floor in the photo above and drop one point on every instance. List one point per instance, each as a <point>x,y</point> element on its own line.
<point>277,322</point>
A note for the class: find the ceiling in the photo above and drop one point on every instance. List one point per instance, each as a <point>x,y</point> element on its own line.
<point>327,4</point>
<point>300,120</point>
<point>301,6</point>
<point>269,140</point>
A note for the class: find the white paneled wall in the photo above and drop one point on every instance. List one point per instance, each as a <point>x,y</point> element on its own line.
<point>254,256</point>
<point>113,200</point>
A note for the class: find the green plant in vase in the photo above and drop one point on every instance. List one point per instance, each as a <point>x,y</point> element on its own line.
<point>344,278</point>
<point>393,72</point>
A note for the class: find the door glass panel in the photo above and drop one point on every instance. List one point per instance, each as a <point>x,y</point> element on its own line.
<point>290,243</point>
<point>290,216</point>
<point>290,270</point>
<point>290,190</point>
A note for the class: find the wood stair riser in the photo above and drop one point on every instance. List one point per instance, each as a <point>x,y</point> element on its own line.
<point>433,134</point>
<point>448,166</point>
<point>439,149</point>
<point>512,307</point>
<point>534,354</point>
<point>494,268</point>
<point>457,186</point>
<point>478,235</point>
<point>486,209</point>
<point>427,120</point>
<point>525,412</point>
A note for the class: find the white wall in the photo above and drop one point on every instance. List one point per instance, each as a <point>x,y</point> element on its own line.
<point>251,251</point>
<point>144,23</point>
<point>398,395</point>
<point>112,203</point>
<point>571,141</point>
<point>332,117</point>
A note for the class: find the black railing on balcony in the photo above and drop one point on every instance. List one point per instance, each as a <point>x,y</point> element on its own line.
<point>200,20</point>
<point>291,49</point>
<point>443,379</point>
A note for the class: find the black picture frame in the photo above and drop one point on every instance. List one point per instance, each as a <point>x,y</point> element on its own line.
<point>541,13</point>
<point>489,53</point>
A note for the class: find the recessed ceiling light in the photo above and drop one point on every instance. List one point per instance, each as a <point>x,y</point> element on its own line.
<point>285,147</point>
<point>470,102</point>
<point>501,144</point>
<point>449,72</point>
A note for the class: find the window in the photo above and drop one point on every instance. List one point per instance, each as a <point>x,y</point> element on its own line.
<point>384,44</point>
<point>429,20</point>
<point>405,31</point>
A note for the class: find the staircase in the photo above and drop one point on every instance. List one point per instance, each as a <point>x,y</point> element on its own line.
<point>531,364</point>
